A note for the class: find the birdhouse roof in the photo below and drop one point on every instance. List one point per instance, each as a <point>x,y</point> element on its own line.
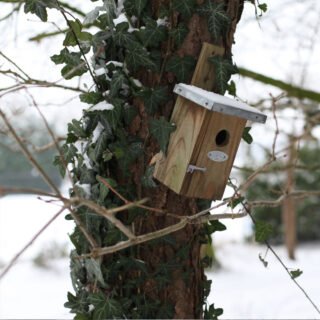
<point>219,103</point>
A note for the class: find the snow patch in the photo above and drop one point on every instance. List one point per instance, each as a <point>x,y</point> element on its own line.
<point>163,22</point>
<point>100,71</point>
<point>121,18</point>
<point>85,187</point>
<point>115,63</point>
<point>103,105</point>
<point>97,132</point>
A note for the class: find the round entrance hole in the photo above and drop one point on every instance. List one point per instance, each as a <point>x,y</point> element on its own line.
<point>222,138</point>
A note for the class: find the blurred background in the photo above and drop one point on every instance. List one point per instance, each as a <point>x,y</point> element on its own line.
<point>283,45</point>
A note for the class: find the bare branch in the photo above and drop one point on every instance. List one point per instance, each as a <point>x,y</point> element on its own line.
<point>17,256</point>
<point>28,154</point>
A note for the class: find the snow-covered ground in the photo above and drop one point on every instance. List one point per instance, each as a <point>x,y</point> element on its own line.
<point>243,287</point>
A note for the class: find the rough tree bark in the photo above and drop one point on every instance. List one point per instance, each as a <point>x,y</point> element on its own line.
<point>185,296</point>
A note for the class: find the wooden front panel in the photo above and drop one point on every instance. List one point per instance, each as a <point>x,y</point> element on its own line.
<point>188,118</point>
<point>211,183</point>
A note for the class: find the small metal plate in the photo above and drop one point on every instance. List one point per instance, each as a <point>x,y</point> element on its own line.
<point>217,156</point>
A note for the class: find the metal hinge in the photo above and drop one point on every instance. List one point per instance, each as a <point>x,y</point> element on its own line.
<point>191,168</point>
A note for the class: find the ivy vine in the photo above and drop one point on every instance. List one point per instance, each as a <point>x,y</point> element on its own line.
<point>130,40</point>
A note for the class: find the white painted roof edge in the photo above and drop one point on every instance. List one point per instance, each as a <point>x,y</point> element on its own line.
<point>219,103</point>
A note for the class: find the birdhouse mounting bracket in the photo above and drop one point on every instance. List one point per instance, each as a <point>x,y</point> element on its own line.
<point>191,168</point>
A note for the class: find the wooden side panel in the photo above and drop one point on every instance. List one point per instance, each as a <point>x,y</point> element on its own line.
<point>188,118</point>
<point>211,183</point>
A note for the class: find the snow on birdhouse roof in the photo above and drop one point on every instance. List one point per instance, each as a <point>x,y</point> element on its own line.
<point>219,103</point>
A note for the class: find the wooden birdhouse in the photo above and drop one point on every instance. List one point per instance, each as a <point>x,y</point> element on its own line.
<point>209,128</point>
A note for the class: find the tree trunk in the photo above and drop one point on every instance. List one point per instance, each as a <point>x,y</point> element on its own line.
<point>163,278</point>
<point>186,295</point>
<point>289,208</point>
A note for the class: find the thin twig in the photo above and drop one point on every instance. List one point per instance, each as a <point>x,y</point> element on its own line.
<point>7,190</point>
<point>28,154</point>
<point>16,257</point>
<point>78,43</point>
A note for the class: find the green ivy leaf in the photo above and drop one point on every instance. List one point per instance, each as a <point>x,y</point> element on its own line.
<point>58,163</point>
<point>87,176</point>
<point>217,225</point>
<point>223,69</point>
<point>101,145</point>
<point>246,136</point>
<point>235,202</point>
<point>147,180</point>
<point>76,127</point>
<point>69,152</point>
<point>153,33</point>
<point>231,88</point>
<point>263,230</point>
<point>134,7</point>
<point>133,152</point>
<point>104,307</point>
<point>113,236</point>
<point>126,153</point>
<point>163,12</point>
<point>94,271</point>
<point>129,113</point>
<point>71,138</point>
<point>178,34</point>
<point>91,97</point>
<point>181,67</point>
<point>113,116</point>
<point>74,64</point>
<point>77,303</point>
<point>265,263</point>
<point>212,313</point>
<point>107,156</point>
<point>185,7</point>
<point>119,79</point>
<point>161,129</point>
<point>296,273</point>
<point>140,5</point>
<point>122,37</point>
<point>39,7</point>
<point>137,56</point>
<point>218,19</point>
<point>154,97</point>
<point>73,33</point>
<point>263,7</point>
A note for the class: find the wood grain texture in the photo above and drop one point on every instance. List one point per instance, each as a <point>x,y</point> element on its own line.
<point>189,118</point>
<point>211,183</point>
<point>195,136</point>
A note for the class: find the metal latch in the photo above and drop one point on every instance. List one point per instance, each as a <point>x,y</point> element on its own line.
<point>191,168</point>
